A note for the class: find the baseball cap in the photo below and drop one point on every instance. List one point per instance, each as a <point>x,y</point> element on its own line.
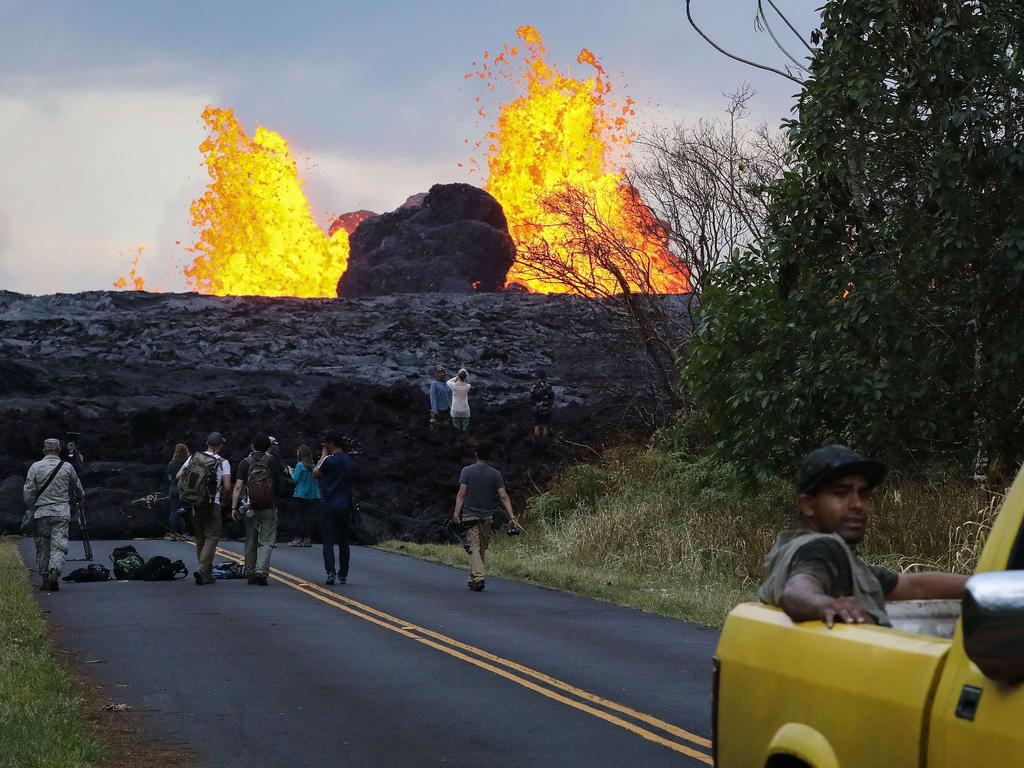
<point>215,438</point>
<point>334,437</point>
<point>825,464</point>
<point>51,444</point>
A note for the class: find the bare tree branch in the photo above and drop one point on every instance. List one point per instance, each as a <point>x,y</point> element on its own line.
<point>762,20</point>
<point>791,27</point>
<point>717,47</point>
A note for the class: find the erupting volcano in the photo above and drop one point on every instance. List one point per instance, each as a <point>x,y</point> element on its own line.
<point>561,136</point>
<point>257,235</point>
<point>553,161</point>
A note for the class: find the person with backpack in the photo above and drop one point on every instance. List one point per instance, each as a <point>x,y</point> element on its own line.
<point>306,497</point>
<point>260,474</point>
<point>334,473</point>
<point>175,526</point>
<point>543,398</point>
<point>200,481</point>
<point>49,487</point>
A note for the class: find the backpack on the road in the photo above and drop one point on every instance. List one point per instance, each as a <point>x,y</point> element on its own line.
<point>127,562</point>
<point>198,483</point>
<point>94,572</point>
<point>160,568</point>
<point>260,484</point>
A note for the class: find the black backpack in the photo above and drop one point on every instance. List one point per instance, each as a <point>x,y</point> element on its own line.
<point>160,568</point>
<point>94,572</point>
<point>127,562</point>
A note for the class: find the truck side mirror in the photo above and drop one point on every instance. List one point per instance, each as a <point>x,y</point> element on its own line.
<point>993,622</point>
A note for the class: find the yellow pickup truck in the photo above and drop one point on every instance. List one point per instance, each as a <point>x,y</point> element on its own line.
<point>804,696</point>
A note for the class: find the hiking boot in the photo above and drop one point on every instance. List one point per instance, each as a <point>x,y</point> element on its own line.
<point>329,579</point>
<point>54,580</point>
<point>343,580</point>
<point>261,581</point>
<point>199,578</point>
<point>251,580</point>
<point>476,586</point>
<point>44,584</point>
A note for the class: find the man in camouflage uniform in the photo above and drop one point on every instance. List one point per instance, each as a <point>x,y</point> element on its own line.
<point>47,492</point>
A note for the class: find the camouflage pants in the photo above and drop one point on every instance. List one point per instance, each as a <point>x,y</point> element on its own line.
<point>51,535</point>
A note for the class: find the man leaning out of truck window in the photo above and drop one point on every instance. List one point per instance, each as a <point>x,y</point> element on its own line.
<point>815,573</point>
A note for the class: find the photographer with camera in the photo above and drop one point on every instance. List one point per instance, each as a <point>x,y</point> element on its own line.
<point>50,489</point>
<point>334,473</point>
<point>481,490</point>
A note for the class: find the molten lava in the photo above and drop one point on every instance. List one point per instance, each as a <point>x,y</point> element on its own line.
<point>257,235</point>
<point>133,281</point>
<point>561,135</point>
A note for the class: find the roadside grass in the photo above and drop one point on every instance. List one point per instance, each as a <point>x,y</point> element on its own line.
<point>661,532</point>
<point>41,717</point>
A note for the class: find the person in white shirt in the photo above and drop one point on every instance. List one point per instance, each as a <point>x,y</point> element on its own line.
<point>206,519</point>
<point>460,386</point>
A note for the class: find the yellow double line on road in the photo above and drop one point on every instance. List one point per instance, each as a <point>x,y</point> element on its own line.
<point>558,690</point>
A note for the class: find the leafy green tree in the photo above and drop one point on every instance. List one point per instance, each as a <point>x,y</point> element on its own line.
<point>886,307</point>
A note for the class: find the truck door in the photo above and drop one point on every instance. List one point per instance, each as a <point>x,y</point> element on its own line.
<point>976,721</point>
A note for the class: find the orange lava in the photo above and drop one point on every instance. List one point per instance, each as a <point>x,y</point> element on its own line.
<point>563,132</point>
<point>257,235</point>
<point>133,281</point>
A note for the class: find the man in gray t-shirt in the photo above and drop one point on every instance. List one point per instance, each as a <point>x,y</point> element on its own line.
<point>481,490</point>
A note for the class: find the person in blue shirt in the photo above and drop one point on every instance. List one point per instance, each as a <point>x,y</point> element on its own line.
<point>306,498</point>
<point>440,400</point>
<point>334,474</point>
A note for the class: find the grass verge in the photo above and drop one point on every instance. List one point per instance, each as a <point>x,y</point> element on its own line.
<point>41,716</point>
<point>661,532</point>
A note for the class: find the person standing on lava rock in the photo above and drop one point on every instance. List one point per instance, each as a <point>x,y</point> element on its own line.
<point>260,474</point>
<point>460,386</point>
<point>440,400</point>
<point>334,473</point>
<point>543,397</point>
<point>47,492</point>
<point>200,481</point>
<point>481,491</point>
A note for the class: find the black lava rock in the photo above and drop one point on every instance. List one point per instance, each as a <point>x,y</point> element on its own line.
<point>455,241</point>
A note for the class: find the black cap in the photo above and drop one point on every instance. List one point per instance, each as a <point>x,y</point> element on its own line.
<point>334,437</point>
<point>825,464</point>
<point>215,438</point>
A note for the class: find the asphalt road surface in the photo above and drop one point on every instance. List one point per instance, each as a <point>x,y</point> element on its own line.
<point>403,666</point>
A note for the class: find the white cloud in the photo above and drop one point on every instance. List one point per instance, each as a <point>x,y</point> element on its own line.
<point>88,174</point>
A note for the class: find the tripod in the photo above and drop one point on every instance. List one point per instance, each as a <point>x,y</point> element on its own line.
<point>74,458</point>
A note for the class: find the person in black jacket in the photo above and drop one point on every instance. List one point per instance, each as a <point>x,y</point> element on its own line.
<point>262,476</point>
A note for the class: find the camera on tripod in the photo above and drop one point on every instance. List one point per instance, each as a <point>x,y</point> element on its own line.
<point>72,454</point>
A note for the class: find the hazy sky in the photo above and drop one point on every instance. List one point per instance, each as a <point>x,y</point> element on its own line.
<point>100,104</point>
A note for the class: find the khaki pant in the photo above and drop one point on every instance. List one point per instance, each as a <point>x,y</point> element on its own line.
<point>206,524</point>
<point>51,534</point>
<point>260,539</point>
<point>478,537</point>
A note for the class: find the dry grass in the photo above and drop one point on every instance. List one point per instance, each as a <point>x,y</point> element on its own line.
<point>655,531</point>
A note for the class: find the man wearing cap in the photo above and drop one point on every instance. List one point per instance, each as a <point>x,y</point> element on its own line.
<point>815,573</point>
<point>206,518</point>
<point>440,400</point>
<point>334,474</point>
<point>47,492</point>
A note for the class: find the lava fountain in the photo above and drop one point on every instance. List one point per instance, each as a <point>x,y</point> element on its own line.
<point>562,133</point>
<point>256,233</point>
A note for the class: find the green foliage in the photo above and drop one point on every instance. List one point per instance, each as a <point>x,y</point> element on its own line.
<point>884,310</point>
<point>41,722</point>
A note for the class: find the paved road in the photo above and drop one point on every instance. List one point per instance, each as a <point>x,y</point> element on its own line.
<point>401,667</point>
